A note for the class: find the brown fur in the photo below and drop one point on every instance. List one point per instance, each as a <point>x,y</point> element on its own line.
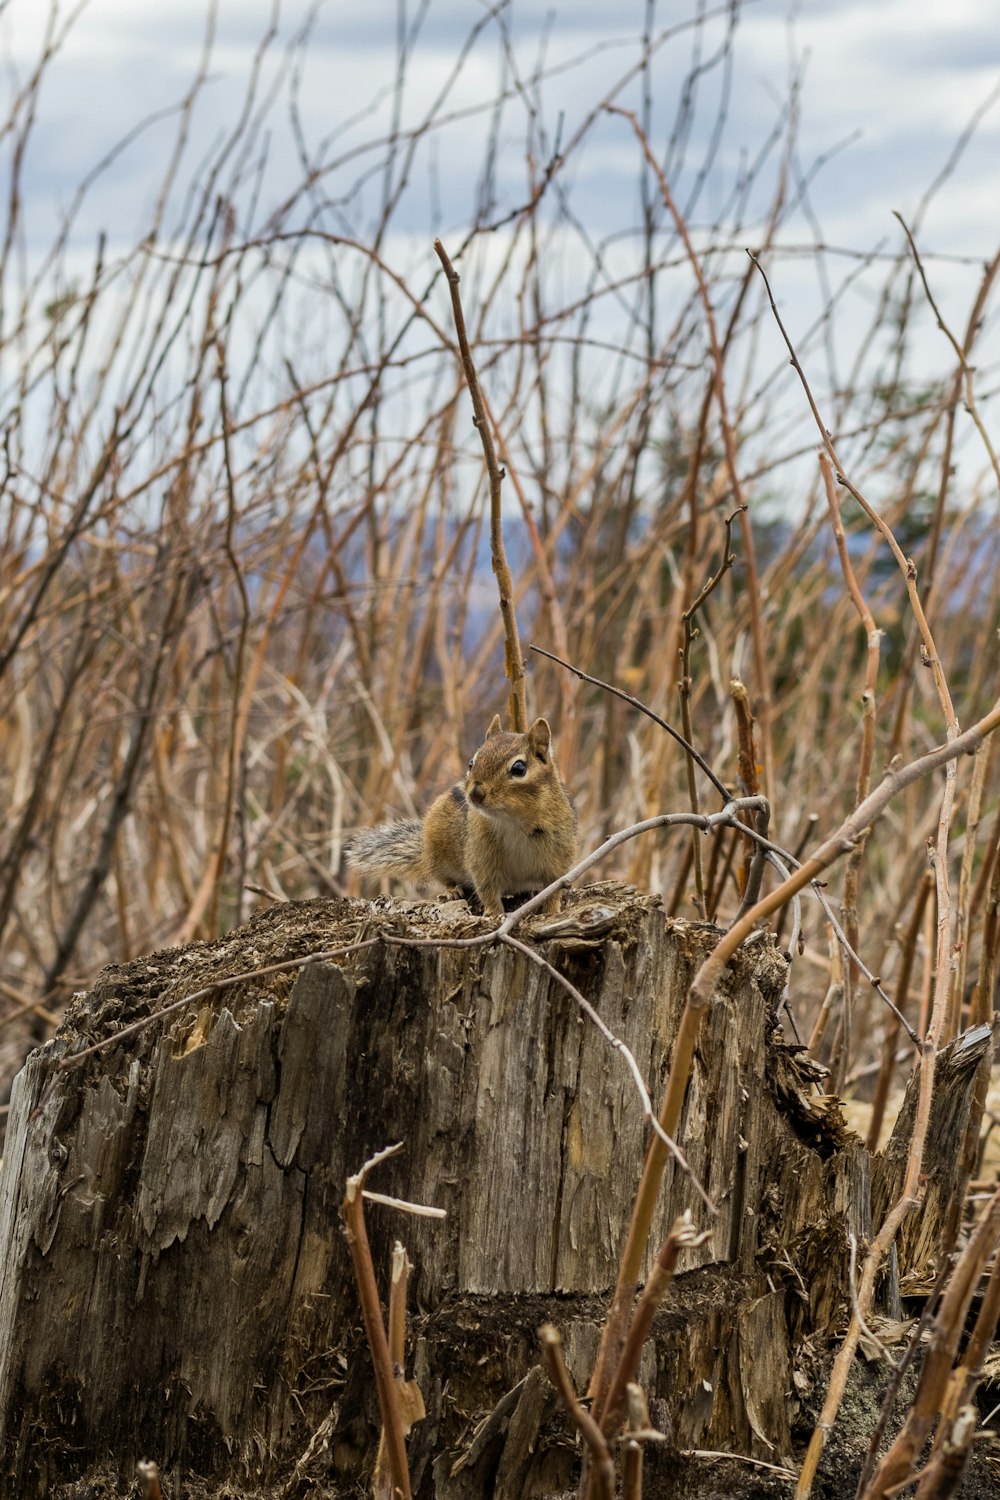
<point>495,832</point>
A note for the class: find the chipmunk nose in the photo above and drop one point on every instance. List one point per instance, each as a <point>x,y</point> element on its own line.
<point>476,794</point>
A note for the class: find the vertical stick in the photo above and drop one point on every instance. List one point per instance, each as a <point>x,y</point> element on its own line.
<point>352,1212</point>
<point>517,707</point>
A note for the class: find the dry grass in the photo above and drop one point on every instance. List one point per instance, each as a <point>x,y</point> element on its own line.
<point>245,600</point>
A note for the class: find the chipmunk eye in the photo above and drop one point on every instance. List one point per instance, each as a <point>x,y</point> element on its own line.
<point>519,768</point>
<point>471,762</point>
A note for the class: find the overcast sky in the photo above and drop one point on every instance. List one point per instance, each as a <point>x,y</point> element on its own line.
<point>906,75</point>
<point>888,87</point>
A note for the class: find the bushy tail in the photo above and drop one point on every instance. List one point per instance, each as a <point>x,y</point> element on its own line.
<point>390,849</point>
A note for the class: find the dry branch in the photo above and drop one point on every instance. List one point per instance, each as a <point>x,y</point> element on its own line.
<point>397,1480</point>
<point>763,682</point>
<point>897,1466</point>
<point>594,1440</point>
<point>517,709</point>
<point>271,408</point>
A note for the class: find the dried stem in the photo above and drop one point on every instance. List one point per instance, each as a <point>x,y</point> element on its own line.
<point>684,694</point>
<point>887,1064</point>
<point>729,447</point>
<point>411,1405</point>
<point>232,801</point>
<point>603,1468</point>
<point>747,761</point>
<point>640,1431</point>
<point>352,1213</point>
<point>939,864</point>
<point>943,1475</point>
<point>897,1465</point>
<point>682,1236</point>
<point>517,707</point>
<point>849,907</point>
<point>148,1475</point>
<point>609,687</point>
<point>702,989</point>
<point>960,353</point>
<point>906,565</point>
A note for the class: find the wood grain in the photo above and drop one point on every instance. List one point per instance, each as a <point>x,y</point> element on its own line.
<point>175,1283</point>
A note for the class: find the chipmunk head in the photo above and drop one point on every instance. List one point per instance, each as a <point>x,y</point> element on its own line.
<point>508,770</point>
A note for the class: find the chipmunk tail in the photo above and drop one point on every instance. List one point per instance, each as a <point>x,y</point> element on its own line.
<point>390,849</point>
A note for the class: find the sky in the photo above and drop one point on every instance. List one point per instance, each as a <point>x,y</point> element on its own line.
<point>884,93</point>
<point>905,75</point>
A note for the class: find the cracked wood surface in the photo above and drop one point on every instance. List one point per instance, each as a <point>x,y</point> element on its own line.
<point>174,1278</point>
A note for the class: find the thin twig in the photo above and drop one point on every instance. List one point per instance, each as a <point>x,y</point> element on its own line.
<point>908,1196</point>
<point>636,703</point>
<point>896,1466</point>
<point>619,1046</point>
<point>896,1375</point>
<point>232,801</point>
<point>729,447</point>
<point>514,664</point>
<point>682,1236</point>
<point>352,1212</point>
<point>862,784</point>
<point>963,360</point>
<point>684,693</point>
<point>593,1437</point>
<point>739,1458</point>
<point>703,988</point>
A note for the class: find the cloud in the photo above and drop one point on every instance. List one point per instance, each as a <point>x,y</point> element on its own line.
<point>906,74</point>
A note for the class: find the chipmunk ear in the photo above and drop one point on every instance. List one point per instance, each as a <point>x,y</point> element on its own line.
<point>495,727</point>
<point>540,737</point>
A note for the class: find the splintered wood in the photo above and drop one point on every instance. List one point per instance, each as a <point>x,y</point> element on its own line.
<point>176,1283</point>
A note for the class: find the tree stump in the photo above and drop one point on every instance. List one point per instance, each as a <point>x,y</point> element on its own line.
<point>175,1281</point>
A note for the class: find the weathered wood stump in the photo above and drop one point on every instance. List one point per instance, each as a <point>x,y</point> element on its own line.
<point>175,1281</point>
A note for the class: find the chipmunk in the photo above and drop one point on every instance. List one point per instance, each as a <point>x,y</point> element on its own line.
<point>509,827</point>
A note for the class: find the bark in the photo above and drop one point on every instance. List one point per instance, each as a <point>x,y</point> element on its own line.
<point>927,1239</point>
<point>175,1284</point>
